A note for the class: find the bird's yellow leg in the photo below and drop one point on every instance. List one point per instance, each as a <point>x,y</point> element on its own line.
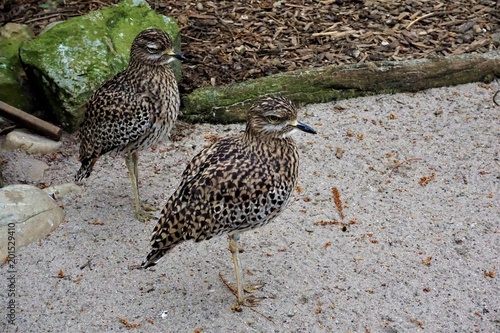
<point>145,206</point>
<point>233,247</point>
<point>131,162</point>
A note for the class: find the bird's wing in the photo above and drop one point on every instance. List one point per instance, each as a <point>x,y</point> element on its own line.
<point>208,156</point>
<point>115,118</point>
<point>214,184</point>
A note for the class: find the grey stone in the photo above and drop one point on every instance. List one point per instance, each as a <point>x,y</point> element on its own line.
<point>31,143</point>
<point>75,57</point>
<point>28,170</point>
<point>27,214</point>
<point>19,167</point>
<point>59,191</point>
<point>12,91</point>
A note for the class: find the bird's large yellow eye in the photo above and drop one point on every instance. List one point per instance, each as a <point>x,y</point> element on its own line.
<point>273,119</point>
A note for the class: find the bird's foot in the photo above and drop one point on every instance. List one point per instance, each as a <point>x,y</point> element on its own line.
<point>148,207</point>
<point>249,301</point>
<point>253,288</point>
<point>144,213</point>
<point>143,216</point>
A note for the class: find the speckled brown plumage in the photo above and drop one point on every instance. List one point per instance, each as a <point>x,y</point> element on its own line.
<point>134,110</point>
<point>237,183</point>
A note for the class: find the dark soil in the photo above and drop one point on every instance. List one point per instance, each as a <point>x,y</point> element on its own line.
<point>237,40</point>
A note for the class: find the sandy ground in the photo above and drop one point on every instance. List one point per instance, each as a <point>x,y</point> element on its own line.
<point>419,181</point>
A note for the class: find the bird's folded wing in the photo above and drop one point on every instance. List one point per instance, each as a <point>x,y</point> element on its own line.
<point>109,125</point>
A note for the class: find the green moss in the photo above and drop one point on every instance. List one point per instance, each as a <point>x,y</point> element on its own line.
<point>75,57</point>
<point>230,103</point>
<point>11,90</point>
<point>227,104</point>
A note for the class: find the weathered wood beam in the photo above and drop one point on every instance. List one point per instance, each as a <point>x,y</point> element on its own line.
<point>33,123</point>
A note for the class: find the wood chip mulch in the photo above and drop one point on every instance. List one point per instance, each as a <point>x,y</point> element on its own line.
<point>237,40</point>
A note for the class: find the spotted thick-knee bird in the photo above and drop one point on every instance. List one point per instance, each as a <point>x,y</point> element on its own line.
<point>134,110</point>
<point>236,184</point>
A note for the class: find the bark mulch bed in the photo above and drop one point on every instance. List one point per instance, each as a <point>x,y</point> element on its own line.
<point>237,40</point>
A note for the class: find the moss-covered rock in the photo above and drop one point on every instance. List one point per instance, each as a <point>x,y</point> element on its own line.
<point>74,58</point>
<point>12,91</point>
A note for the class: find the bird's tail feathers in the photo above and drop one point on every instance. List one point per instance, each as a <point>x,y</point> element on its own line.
<point>85,168</point>
<point>153,257</point>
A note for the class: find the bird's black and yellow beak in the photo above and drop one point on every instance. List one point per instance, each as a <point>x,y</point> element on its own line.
<point>303,127</point>
<point>175,54</point>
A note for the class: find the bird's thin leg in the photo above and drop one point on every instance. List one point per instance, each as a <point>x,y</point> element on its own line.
<point>250,301</point>
<point>140,210</point>
<point>145,206</point>
<point>233,247</point>
<point>135,162</point>
<point>131,162</point>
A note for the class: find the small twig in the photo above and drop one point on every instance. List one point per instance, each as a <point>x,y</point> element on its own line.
<point>495,98</point>
<point>464,179</point>
<point>401,163</point>
<point>419,19</point>
<point>7,129</point>
<point>193,38</point>
<point>227,26</point>
<point>333,222</point>
<point>103,4</point>
<point>263,315</point>
<point>88,263</point>
<point>338,202</point>
<point>230,287</point>
<point>127,324</point>
<point>334,34</point>
<point>47,16</point>
<point>132,267</point>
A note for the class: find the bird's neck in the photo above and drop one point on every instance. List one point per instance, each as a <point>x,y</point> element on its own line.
<point>161,73</point>
<point>138,66</point>
<point>280,155</point>
<point>260,140</point>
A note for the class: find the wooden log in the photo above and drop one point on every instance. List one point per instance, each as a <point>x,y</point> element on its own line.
<point>33,123</point>
<point>229,103</point>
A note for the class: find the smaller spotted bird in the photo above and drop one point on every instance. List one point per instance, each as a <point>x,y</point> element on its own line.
<point>238,183</point>
<point>133,110</point>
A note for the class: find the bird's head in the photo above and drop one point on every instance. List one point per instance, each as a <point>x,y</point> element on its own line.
<point>275,116</point>
<point>154,47</point>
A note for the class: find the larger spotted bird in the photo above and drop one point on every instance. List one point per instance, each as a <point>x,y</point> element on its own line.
<point>133,110</point>
<point>236,184</point>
